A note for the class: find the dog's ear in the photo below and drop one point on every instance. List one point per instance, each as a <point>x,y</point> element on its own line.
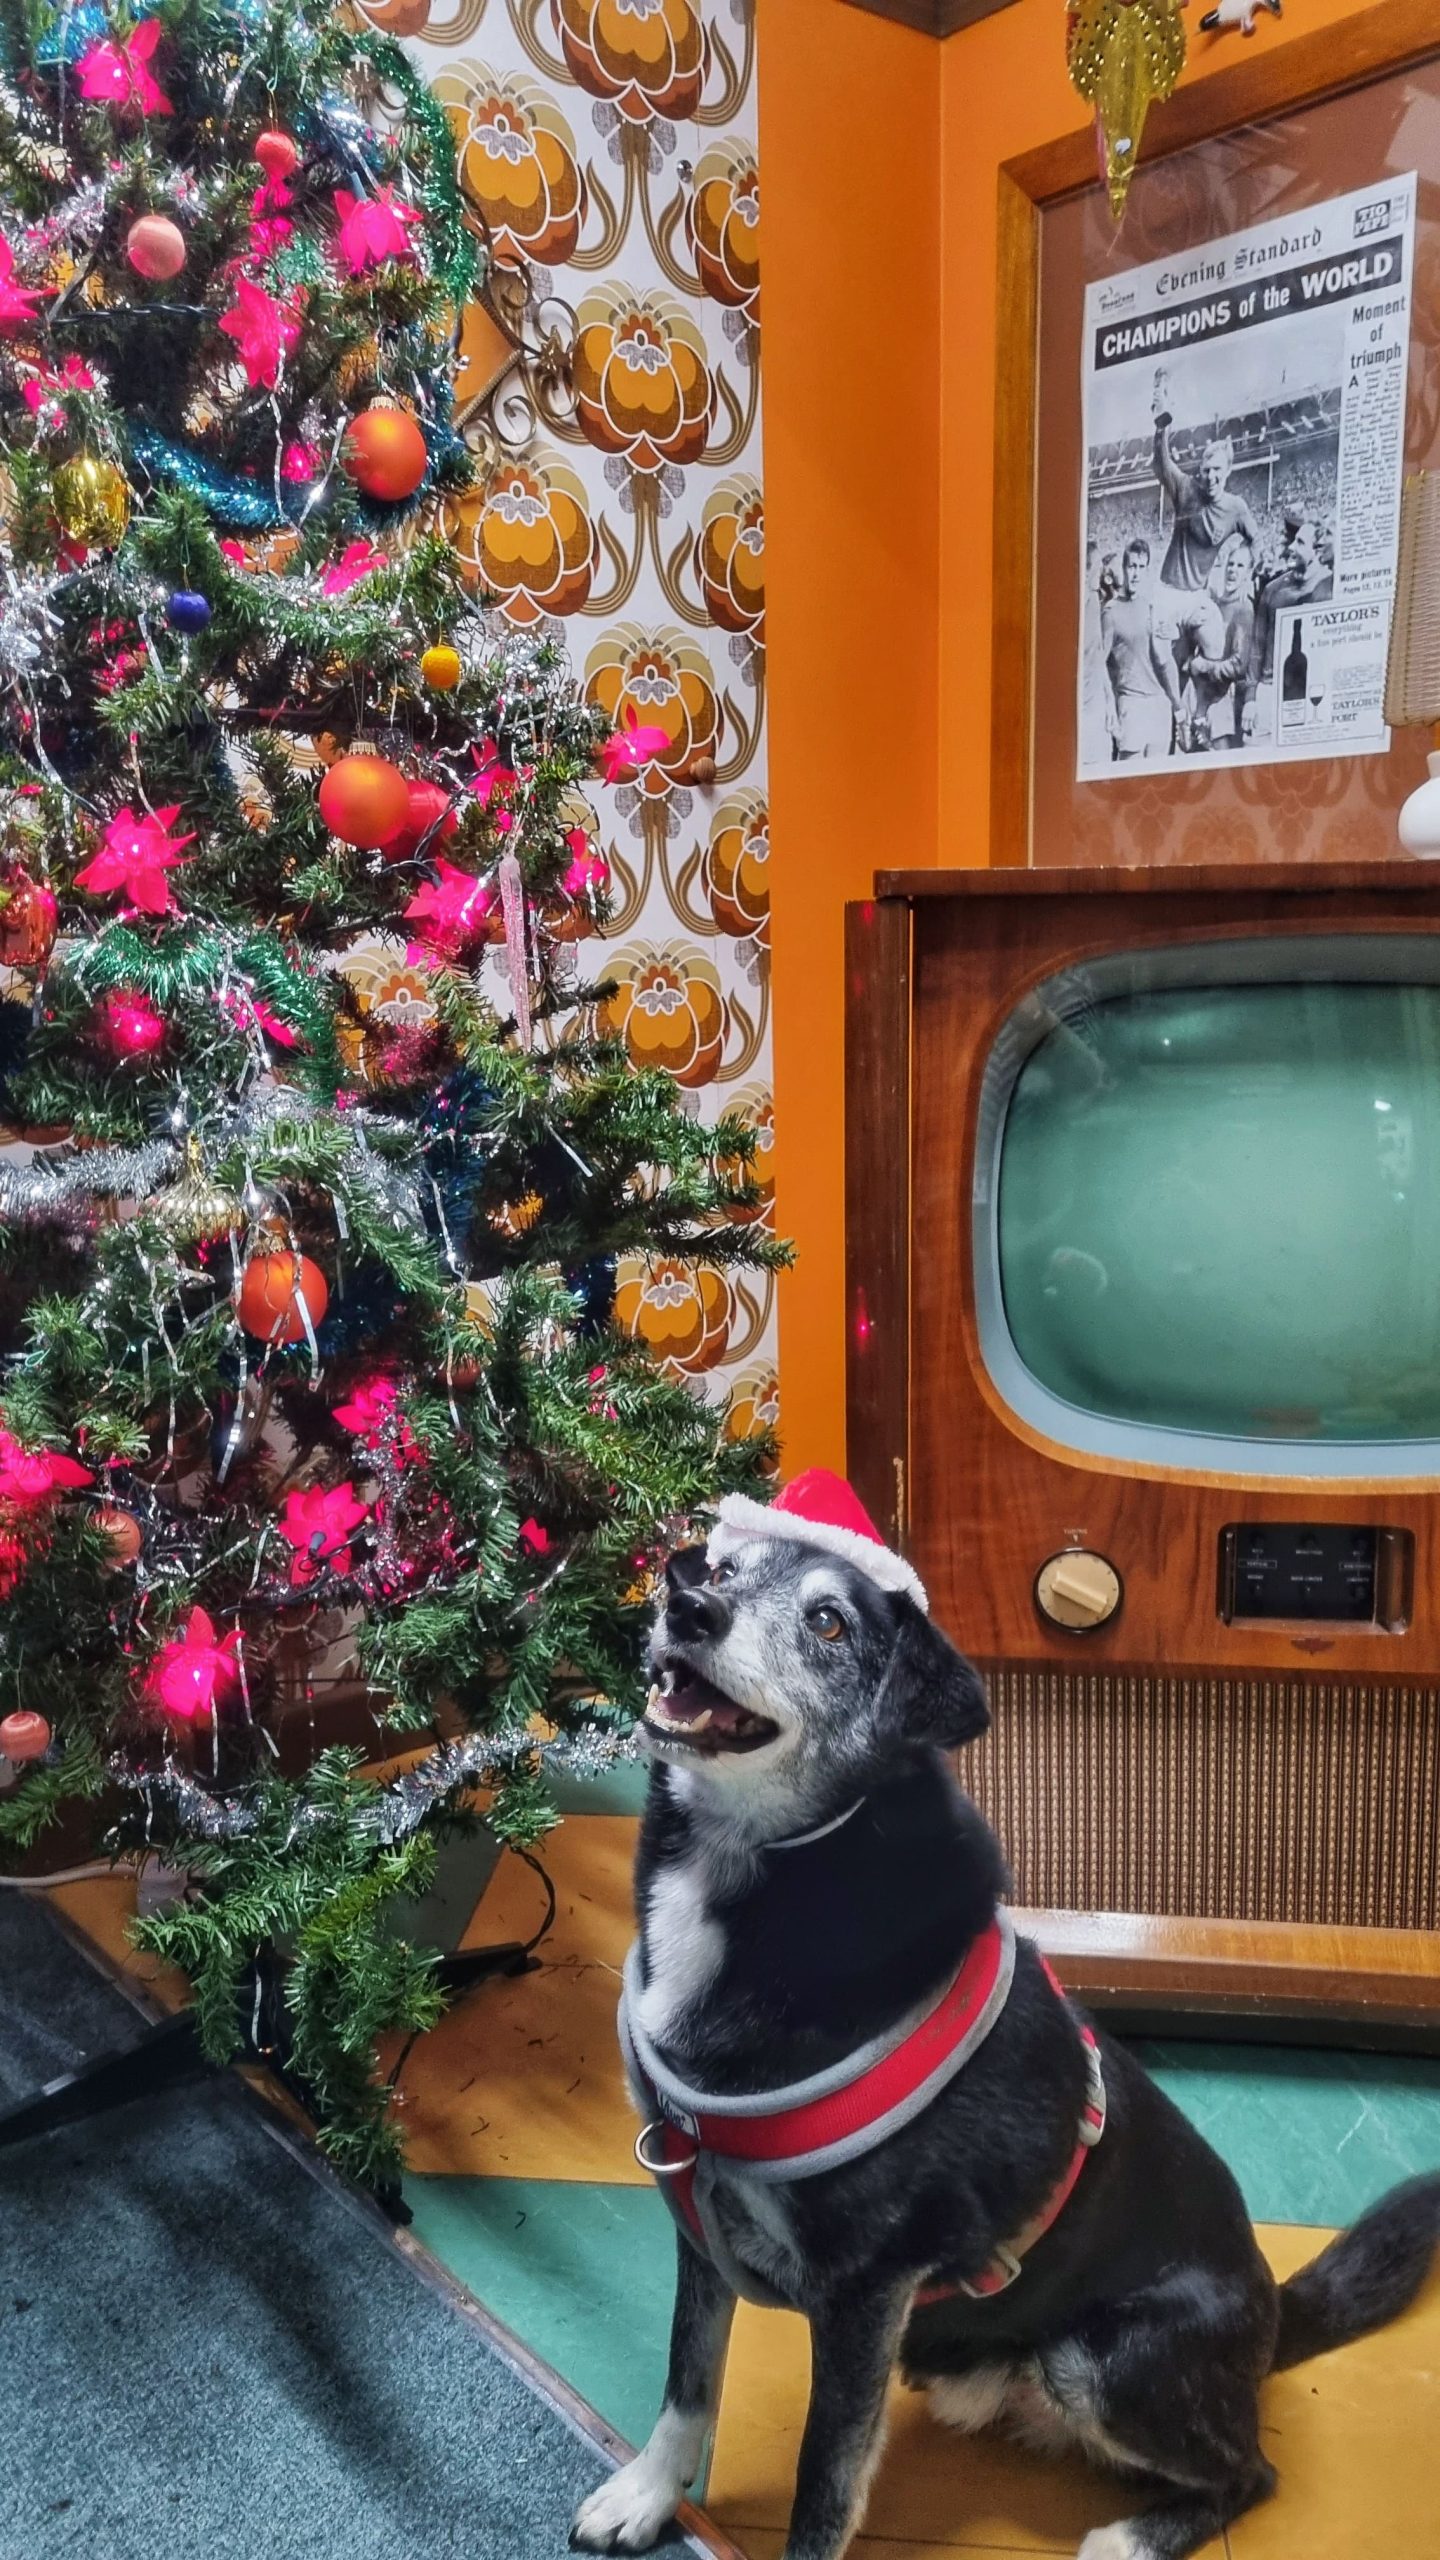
<point>932,1694</point>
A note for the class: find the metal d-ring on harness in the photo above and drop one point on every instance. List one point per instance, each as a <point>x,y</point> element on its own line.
<point>661,2168</point>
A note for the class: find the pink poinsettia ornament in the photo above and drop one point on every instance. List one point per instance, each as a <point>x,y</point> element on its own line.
<point>358,560</point>
<point>118,72</point>
<point>134,856</point>
<point>132,1026</point>
<point>373,229</point>
<point>318,1525</point>
<point>40,390</point>
<point>197,1671</point>
<point>450,912</point>
<point>17,301</point>
<point>586,869</point>
<point>31,1478</point>
<point>368,1409</point>
<point>492,778</point>
<point>270,223</point>
<point>249,1011</point>
<point>634,743</point>
<point>372,1413</point>
<point>264,329</point>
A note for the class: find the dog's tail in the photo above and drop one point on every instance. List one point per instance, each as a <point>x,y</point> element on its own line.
<point>1366,2277</point>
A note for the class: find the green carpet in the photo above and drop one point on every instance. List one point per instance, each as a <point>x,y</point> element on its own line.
<point>210,2347</point>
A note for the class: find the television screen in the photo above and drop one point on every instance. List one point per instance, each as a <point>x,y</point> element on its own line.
<point>1216,1208</point>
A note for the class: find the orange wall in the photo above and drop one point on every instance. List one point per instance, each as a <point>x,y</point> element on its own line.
<point>879,151</point>
<point>850,179</point>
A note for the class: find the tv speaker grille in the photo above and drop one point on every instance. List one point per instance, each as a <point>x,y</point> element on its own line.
<point>1243,1798</point>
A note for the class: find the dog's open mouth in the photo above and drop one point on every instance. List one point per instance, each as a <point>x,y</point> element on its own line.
<point>684,1708</point>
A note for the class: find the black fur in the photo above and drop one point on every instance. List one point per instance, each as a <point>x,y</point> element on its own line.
<point>1365,2278</point>
<point>1145,2321</point>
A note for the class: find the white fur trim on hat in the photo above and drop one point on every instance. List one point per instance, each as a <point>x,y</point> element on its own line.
<point>739,1518</point>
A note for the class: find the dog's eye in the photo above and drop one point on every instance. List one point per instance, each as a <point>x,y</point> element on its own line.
<point>724,1571</point>
<point>826,1622</point>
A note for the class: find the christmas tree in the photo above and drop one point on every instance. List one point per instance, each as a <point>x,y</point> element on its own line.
<point>310,1390</point>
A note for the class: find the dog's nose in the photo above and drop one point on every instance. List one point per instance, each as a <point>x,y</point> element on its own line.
<point>697,1614</point>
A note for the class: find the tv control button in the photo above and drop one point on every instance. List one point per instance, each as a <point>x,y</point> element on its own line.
<point>1078,1590</point>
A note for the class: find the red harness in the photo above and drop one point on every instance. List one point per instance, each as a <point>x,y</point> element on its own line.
<point>841,2114</point>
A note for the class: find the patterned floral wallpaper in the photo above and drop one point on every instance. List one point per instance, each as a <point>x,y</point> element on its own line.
<point>611,144</point>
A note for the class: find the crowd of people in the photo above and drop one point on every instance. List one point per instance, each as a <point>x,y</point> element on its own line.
<point>1179,630</point>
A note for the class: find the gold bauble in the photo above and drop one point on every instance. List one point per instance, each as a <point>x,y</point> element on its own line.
<point>196,1209</point>
<point>92,500</point>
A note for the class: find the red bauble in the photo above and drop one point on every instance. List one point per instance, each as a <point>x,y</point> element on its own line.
<point>29,918</point>
<point>155,247</point>
<point>385,453</point>
<point>275,1288</point>
<point>365,800</point>
<point>429,807</point>
<point>24,1736</point>
<point>122,1534</point>
<point>278,153</point>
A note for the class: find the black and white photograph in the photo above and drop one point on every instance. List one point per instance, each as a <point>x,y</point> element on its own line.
<point>1244,413</point>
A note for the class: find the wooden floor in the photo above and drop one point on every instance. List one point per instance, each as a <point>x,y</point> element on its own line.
<point>518,2095</point>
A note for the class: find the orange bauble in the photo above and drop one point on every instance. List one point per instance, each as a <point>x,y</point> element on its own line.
<point>274,1291</point>
<point>122,1534</point>
<point>24,1736</point>
<point>385,453</point>
<point>365,800</point>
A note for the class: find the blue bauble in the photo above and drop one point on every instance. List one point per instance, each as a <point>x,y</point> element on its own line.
<point>188,611</point>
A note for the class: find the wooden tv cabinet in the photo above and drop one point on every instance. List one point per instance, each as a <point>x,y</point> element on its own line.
<point>1208,1821</point>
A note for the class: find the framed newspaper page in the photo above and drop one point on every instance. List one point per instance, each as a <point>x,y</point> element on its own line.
<point>1203,421</point>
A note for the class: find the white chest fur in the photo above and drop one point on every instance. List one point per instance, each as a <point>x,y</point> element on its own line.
<point>684,1945</point>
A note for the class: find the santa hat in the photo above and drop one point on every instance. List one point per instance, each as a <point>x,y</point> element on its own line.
<point>817,1510</point>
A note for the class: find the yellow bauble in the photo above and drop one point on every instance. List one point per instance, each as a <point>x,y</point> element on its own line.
<point>92,501</point>
<point>440,668</point>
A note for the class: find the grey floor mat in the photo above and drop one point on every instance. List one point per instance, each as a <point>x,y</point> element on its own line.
<point>209,2348</point>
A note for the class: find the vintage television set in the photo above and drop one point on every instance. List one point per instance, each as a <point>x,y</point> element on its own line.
<point>1143,1173</point>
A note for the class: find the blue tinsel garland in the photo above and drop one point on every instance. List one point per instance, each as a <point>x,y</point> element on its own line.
<point>230,496</point>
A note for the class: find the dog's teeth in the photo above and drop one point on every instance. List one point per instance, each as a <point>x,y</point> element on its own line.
<point>698,1723</point>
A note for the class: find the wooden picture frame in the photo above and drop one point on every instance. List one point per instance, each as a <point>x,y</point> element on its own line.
<point>1308,72</point>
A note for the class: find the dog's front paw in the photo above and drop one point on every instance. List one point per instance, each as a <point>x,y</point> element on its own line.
<point>1111,2542</point>
<point>628,2513</point>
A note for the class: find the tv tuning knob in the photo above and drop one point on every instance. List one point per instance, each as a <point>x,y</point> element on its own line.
<point>1078,1591</point>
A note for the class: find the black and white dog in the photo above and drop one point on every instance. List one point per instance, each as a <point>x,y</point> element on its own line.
<point>810,1879</point>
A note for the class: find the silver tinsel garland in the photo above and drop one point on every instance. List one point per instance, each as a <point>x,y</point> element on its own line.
<point>67,1191</point>
<point>401,1806</point>
<point>64,1188</point>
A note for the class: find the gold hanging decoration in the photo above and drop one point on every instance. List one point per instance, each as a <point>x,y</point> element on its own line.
<point>196,1209</point>
<point>1122,55</point>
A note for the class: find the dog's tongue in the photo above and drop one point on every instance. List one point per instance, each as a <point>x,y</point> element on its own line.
<point>691,1706</point>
